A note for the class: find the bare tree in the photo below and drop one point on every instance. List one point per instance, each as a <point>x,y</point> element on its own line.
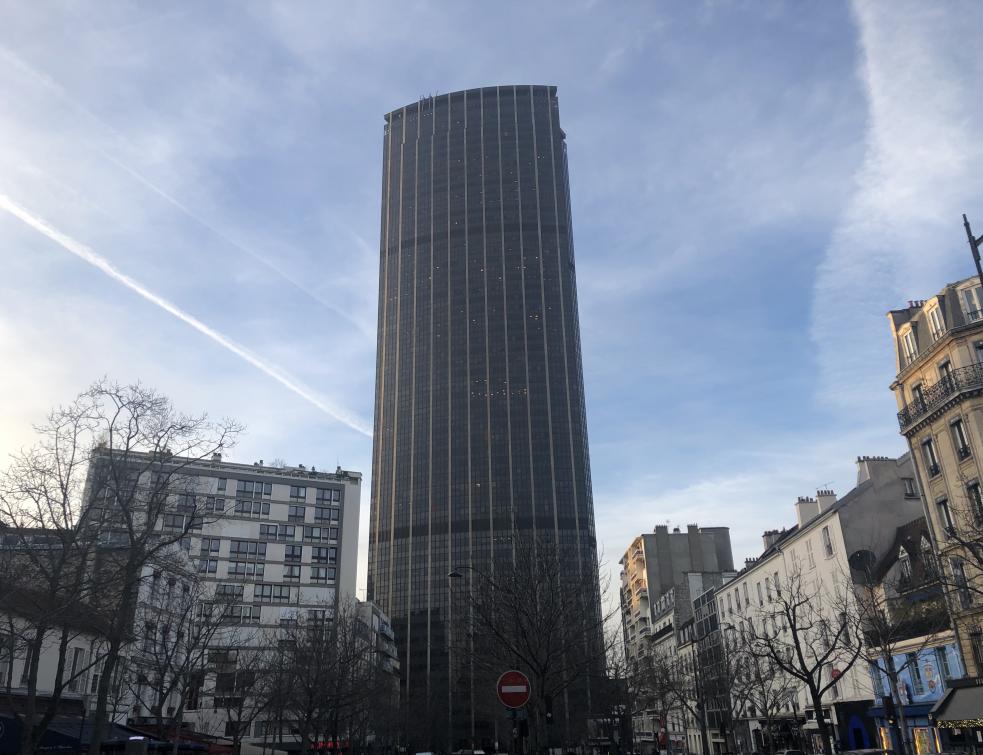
<point>240,679</point>
<point>758,688</point>
<point>328,668</point>
<point>798,635</point>
<point>110,478</point>
<point>536,616</point>
<point>178,620</point>
<point>655,686</point>
<point>46,557</point>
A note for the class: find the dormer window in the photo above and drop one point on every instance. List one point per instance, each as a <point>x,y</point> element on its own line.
<point>904,565</point>
<point>972,303</point>
<point>935,323</point>
<point>909,346</point>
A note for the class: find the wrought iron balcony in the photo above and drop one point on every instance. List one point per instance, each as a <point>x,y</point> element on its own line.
<point>957,381</point>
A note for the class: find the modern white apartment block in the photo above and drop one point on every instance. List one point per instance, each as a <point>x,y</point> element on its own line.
<point>280,539</point>
<point>275,544</point>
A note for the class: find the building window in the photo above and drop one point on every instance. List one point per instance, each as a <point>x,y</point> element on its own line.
<point>960,439</point>
<point>207,565</point>
<point>942,661</point>
<point>809,554</point>
<point>246,569</point>
<point>293,553</point>
<point>918,396</point>
<point>778,589</point>
<point>904,565</point>
<point>250,489</point>
<point>931,460</point>
<point>222,482</point>
<point>975,501</point>
<point>316,533</point>
<point>324,555</point>
<point>768,588</point>
<point>945,371</point>
<point>935,323</point>
<point>247,549</point>
<point>945,516</point>
<point>962,586</point>
<point>737,599</point>
<point>298,492</point>
<point>744,589</point>
<point>327,495</point>
<point>976,644</point>
<point>77,680</point>
<point>877,680</point>
<point>761,595</point>
<point>972,303</point>
<point>272,593</point>
<point>915,671</point>
<point>910,491</point>
<point>233,592</point>
<point>252,508</point>
<point>909,345</point>
<point>296,513</point>
<point>291,571</point>
<point>827,542</point>
<point>210,545</point>
<point>268,531</point>
<point>322,573</point>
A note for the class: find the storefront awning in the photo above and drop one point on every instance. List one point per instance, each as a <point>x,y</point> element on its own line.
<point>961,708</point>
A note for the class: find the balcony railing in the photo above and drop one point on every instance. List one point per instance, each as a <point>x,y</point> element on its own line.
<point>962,379</point>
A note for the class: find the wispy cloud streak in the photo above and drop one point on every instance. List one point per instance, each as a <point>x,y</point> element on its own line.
<point>86,254</point>
<point>59,91</point>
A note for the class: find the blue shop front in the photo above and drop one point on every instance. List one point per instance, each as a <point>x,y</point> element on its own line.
<point>924,678</point>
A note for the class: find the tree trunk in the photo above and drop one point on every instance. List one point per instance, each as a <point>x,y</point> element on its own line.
<point>892,675</point>
<point>28,742</point>
<point>817,705</point>
<point>59,687</point>
<point>102,696</point>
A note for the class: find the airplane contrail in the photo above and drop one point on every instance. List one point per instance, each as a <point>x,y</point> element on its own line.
<point>86,254</point>
<point>53,86</point>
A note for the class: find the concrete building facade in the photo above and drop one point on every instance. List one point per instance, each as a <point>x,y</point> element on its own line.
<point>662,574</point>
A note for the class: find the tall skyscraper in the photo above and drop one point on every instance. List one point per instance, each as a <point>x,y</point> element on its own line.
<point>480,438</point>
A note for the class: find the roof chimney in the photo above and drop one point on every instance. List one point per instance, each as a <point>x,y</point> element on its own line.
<point>825,499</point>
<point>770,537</point>
<point>805,509</point>
<point>216,456</point>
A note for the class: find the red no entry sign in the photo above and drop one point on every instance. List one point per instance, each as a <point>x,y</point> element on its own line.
<point>513,689</point>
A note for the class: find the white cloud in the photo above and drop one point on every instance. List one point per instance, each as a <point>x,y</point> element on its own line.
<point>901,237</point>
<point>86,254</point>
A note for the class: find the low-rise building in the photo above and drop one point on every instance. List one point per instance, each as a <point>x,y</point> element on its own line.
<point>911,640</point>
<point>815,553</point>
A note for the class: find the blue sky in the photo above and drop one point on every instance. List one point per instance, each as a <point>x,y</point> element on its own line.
<point>189,195</point>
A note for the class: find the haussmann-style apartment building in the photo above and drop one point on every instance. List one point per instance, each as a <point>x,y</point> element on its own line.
<point>939,390</point>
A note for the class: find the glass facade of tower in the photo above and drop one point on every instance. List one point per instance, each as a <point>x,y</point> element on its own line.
<point>480,436</point>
